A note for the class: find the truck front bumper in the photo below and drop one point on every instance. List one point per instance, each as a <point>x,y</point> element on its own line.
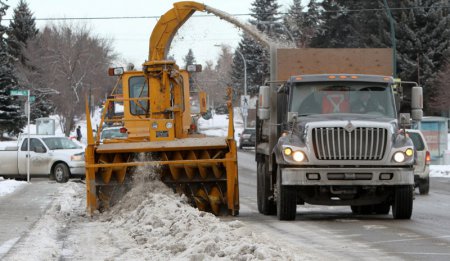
<point>347,176</point>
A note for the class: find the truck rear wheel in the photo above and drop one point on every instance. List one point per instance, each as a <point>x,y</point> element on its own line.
<point>403,202</point>
<point>286,200</point>
<point>266,204</point>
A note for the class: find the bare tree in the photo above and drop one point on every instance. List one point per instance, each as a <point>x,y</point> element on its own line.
<point>72,62</point>
<point>214,80</point>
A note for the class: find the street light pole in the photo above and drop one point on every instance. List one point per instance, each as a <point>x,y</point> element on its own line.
<point>245,82</point>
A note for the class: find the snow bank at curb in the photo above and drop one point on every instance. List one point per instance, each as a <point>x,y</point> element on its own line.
<point>149,223</point>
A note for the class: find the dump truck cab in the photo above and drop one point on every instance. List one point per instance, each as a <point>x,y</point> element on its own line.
<point>335,139</point>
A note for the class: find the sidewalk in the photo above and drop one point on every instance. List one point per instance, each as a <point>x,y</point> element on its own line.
<point>21,209</point>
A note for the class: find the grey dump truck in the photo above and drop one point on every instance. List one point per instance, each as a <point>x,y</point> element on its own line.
<point>328,132</point>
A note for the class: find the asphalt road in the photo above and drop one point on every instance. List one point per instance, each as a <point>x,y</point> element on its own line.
<point>325,232</point>
<point>333,232</point>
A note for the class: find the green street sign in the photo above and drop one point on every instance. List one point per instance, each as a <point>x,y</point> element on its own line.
<point>19,93</point>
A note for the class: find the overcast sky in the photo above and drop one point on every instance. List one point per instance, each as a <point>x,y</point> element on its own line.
<point>130,36</point>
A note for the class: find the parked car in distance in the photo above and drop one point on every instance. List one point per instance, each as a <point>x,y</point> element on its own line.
<point>422,162</point>
<point>112,133</point>
<point>57,157</point>
<point>247,138</point>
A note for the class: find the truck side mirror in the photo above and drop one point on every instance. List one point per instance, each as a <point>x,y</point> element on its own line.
<point>264,103</point>
<point>292,116</point>
<point>416,103</point>
<point>405,120</point>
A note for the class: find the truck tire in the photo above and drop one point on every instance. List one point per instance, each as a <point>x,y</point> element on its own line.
<point>266,204</point>
<point>424,186</point>
<point>61,173</point>
<point>286,200</point>
<point>403,202</point>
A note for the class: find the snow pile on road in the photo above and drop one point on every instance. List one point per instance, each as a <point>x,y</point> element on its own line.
<point>442,171</point>
<point>149,223</point>
<point>164,226</point>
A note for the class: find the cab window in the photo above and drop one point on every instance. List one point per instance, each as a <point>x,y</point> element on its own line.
<point>138,89</point>
<point>34,143</point>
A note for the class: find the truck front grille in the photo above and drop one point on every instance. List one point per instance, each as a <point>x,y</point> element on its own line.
<point>331,143</point>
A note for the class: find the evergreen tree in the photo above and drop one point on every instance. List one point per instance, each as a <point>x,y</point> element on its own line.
<point>340,25</point>
<point>189,59</point>
<point>434,36</point>
<point>264,17</point>
<point>22,31</point>
<point>311,23</point>
<point>11,118</point>
<point>294,21</point>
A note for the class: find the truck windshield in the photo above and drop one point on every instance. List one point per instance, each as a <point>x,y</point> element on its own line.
<point>60,144</point>
<point>342,97</point>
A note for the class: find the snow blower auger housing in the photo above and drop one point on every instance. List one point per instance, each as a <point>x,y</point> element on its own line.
<point>156,122</point>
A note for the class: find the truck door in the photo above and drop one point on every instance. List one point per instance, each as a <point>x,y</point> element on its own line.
<point>39,158</point>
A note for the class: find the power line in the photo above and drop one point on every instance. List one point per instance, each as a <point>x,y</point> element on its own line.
<point>211,15</point>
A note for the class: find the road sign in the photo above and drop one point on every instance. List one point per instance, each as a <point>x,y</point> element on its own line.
<point>245,99</point>
<point>19,92</point>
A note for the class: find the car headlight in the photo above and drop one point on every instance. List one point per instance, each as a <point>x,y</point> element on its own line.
<point>154,125</point>
<point>169,125</point>
<point>77,157</point>
<point>399,157</point>
<point>298,156</point>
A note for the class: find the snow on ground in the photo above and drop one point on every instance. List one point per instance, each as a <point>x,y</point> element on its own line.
<point>149,223</point>
<point>8,186</point>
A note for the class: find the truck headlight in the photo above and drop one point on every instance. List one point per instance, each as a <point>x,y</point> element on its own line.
<point>154,125</point>
<point>298,156</point>
<point>169,125</point>
<point>399,157</point>
<point>77,157</point>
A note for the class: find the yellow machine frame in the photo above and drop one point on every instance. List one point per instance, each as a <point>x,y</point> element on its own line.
<point>203,168</point>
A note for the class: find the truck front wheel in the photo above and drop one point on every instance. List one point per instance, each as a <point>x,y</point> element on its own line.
<point>403,202</point>
<point>286,200</point>
<point>61,173</point>
<point>266,204</point>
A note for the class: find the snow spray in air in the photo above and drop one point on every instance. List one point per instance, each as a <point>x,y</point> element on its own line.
<point>250,29</point>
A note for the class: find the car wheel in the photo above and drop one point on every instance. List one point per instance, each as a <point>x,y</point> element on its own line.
<point>61,173</point>
<point>403,202</point>
<point>424,186</point>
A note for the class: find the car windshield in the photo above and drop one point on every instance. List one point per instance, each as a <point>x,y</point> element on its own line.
<point>112,133</point>
<point>249,131</point>
<point>342,97</point>
<point>60,144</point>
<point>417,140</point>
